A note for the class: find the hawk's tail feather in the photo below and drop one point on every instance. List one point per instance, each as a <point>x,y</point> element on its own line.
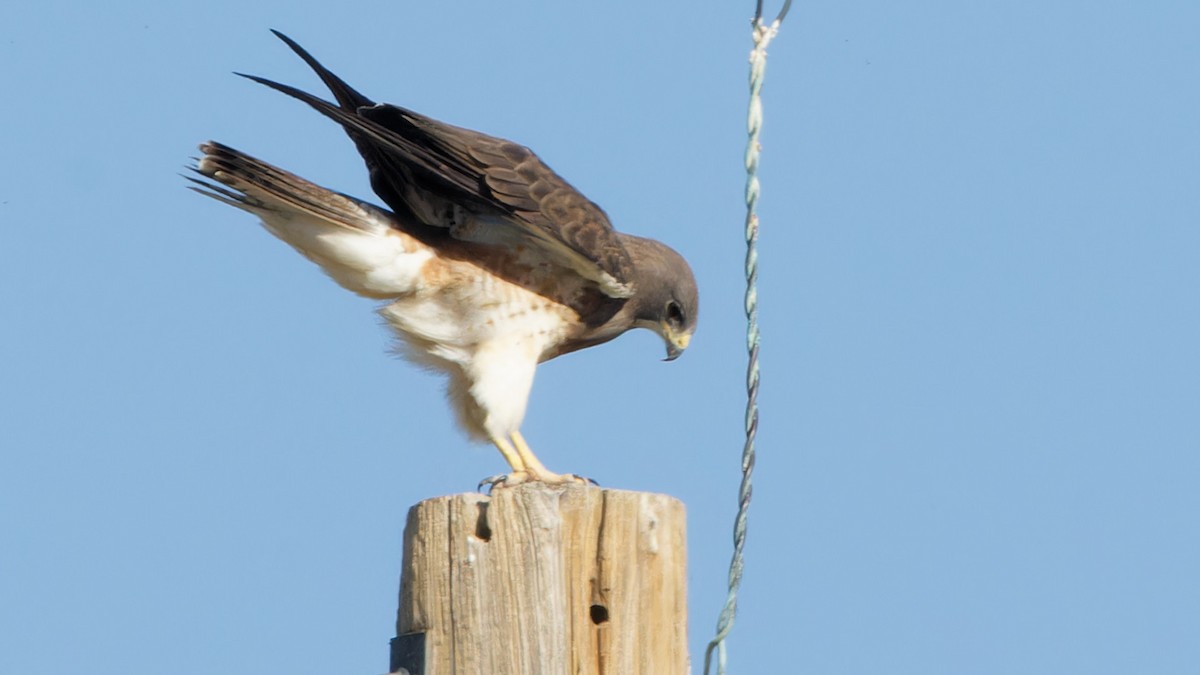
<point>253,185</point>
<point>217,192</point>
<point>360,246</point>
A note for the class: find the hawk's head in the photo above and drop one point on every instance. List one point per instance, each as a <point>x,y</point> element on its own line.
<point>665,299</point>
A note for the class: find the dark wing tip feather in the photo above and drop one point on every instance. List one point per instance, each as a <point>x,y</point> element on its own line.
<point>321,105</point>
<point>377,142</point>
<point>347,97</point>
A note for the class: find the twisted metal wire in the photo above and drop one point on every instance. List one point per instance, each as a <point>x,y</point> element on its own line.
<point>763,34</point>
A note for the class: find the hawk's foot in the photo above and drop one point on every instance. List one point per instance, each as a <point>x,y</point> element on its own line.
<point>564,479</point>
<point>522,477</point>
<point>505,480</point>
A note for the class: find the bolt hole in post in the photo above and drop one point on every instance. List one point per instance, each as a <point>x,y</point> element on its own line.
<point>482,531</point>
<point>599,614</point>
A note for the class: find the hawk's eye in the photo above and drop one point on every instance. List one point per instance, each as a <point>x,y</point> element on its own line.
<point>674,313</point>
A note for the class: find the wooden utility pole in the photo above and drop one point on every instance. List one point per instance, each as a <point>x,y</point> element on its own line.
<point>541,580</point>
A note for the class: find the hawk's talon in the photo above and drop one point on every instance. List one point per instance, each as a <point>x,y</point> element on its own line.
<point>507,480</point>
<point>568,478</point>
<point>564,479</point>
<point>490,482</point>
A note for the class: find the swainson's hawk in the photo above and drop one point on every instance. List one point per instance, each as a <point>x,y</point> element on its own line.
<point>488,262</point>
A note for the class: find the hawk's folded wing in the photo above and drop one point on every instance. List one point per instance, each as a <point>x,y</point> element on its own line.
<point>433,170</point>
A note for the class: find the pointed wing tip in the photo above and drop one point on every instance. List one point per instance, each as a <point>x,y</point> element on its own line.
<point>286,89</point>
<point>261,80</point>
<point>286,40</point>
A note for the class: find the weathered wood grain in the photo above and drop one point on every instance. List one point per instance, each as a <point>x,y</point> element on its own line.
<point>547,580</point>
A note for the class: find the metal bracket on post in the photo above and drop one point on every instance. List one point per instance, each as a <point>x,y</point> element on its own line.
<point>408,654</point>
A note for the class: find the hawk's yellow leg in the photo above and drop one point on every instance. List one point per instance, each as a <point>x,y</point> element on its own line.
<point>535,468</point>
<point>520,474</point>
<point>511,454</point>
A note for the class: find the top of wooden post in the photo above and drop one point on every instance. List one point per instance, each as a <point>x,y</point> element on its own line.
<point>547,579</point>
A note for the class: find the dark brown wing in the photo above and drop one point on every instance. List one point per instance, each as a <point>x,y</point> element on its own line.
<point>511,180</point>
<point>422,166</point>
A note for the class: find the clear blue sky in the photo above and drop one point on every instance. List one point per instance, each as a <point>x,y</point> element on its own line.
<point>980,445</point>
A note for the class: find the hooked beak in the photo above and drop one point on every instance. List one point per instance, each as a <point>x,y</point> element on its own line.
<point>675,343</point>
